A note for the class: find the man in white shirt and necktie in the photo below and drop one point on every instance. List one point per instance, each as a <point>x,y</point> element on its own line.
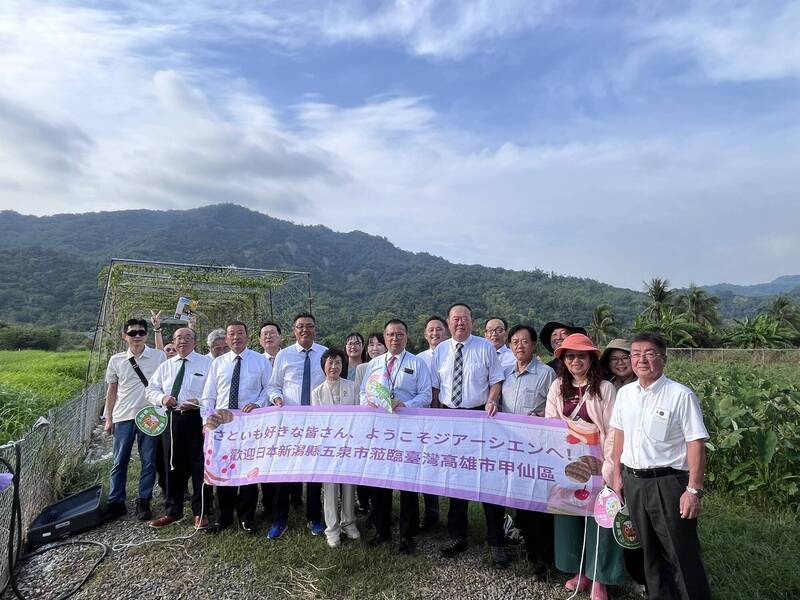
<point>178,385</point>
<point>236,380</point>
<point>495,329</point>
<point>410,386</point>
<point>297,371</point>
<point>466,374</point>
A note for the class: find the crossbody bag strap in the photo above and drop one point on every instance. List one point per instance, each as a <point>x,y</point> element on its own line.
<point>138,370</point>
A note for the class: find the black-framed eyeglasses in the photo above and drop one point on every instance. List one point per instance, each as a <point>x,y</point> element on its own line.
<point>136,333</point>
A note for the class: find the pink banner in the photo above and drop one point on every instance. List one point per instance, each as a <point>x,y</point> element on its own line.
<point>511,460</point>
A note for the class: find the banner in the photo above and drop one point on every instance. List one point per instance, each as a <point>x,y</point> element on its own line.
<point>524,462</point>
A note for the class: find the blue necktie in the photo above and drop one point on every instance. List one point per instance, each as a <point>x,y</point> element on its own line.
<point>233,397</point>
<point>305,394</point>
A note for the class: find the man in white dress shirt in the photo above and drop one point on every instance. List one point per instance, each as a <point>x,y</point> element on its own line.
<point>297,372</point>
<point>495,329</point>
<point>178,385</point>
<point>127,376</point>
<point>269,337</point>
<point>236,380</point>
<point>466,374</point>
<point>410,386</point>
<point>659,466</point>
<point>435,333</point>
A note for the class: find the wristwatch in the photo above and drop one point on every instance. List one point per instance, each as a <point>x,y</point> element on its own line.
<point>699,492</point>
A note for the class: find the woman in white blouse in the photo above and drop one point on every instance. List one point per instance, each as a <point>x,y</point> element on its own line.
<point>338,498</point>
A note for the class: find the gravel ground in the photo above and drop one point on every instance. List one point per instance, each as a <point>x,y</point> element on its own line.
<point>199,568</point>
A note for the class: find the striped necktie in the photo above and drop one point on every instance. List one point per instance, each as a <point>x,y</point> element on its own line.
<point>458,375</point>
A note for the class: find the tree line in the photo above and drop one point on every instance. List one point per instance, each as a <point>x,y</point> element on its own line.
<point>690,318</point>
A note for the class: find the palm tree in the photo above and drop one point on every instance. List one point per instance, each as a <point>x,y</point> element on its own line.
<point>786,312</point>
<point>762,331</point>
<point>699,307</point>
<point>601,328</point>
<point>659,296</point>
<point>676,330</point>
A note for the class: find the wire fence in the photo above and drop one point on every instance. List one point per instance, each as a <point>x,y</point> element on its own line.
<point>49,451</point>
<point>753,356</point>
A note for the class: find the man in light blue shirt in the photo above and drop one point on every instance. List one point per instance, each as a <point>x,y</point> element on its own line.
<point>525,393</point>
<point>409,383</point>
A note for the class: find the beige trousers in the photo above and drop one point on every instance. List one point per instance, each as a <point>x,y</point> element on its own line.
<point>338,511</point>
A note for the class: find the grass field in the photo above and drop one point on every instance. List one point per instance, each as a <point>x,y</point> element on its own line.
<point>34,381</point>
<point>750,554</point>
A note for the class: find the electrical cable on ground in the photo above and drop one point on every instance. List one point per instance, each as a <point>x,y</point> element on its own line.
<point>16,524</point>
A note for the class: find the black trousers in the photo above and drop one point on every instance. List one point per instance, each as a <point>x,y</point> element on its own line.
<point>270,490</point>
<point>458,523</point>
<point>162,464</point>
<point>183,460</point>
<point>634,565</point>
<point>431,502</point>
<point>673,565</point>
<point>243,499</point>
<point>280,507</point>
<point>364,495</point>
<point>538,531</point>
<point>382,512</point>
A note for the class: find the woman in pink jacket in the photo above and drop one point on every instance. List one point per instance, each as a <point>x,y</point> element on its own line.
<point>581,395</point>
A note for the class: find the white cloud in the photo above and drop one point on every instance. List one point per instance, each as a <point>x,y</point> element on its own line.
<point>442,29</point>
<point>734,42</point>
<point>130,118</point>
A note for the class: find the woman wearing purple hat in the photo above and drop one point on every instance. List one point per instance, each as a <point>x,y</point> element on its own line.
<point>582,395</point>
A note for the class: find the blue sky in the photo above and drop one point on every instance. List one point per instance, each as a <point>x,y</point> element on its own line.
<point>619,141</point>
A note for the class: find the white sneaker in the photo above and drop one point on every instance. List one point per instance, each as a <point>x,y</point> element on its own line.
<point>351,531</point>
<point>333,542</point>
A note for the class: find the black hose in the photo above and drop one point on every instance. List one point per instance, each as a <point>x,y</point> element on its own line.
<point>16,520</point>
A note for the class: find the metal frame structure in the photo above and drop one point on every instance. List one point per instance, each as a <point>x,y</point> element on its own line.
<point>133,287</point>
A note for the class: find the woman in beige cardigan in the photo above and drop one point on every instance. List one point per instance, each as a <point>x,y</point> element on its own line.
<point>335,391</point>
<point>582,396</point>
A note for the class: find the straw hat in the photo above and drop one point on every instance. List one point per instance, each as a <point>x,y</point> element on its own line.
<point>577,342</point>
<point>616,344</point>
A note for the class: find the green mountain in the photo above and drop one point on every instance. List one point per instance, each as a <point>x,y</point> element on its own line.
<point>49,267</point>
<point>787,284</point>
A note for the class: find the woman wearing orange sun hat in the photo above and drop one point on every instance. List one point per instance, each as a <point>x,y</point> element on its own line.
<point>582,397</point>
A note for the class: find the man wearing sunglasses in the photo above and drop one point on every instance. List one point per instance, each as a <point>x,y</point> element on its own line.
<point>127,377</point>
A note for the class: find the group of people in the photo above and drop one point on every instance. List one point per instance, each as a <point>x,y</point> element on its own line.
<point>650,428</point>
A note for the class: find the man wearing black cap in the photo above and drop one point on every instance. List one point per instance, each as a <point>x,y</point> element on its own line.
<point>553,333</point>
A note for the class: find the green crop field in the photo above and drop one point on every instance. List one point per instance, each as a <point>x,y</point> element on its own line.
<point>753,416</point>
<point>34,381</point>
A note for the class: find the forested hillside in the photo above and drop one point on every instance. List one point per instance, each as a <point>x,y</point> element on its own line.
<point>49,268</point>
